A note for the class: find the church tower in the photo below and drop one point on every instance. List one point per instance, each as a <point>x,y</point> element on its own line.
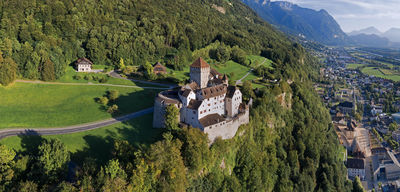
<point>200,72</point>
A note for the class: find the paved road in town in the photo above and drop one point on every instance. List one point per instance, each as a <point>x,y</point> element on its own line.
<point>71,129</point>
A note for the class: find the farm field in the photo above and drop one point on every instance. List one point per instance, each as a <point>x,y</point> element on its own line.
<point>354,66</point>
<point>93,143</point>
<point>26,105</point>
<point>383,73</point>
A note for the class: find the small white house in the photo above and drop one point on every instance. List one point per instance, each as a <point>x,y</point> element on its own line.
<point>83,65</point>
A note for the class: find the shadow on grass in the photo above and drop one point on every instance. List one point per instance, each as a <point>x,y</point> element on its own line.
<point>30,141</point>
<point>138,132</point>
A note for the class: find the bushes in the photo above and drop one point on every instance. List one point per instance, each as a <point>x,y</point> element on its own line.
<point>91,77</point>
<point>112,109</point>
<point>109,101</point>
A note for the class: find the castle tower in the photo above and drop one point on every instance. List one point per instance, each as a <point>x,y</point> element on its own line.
<point>200,72</point>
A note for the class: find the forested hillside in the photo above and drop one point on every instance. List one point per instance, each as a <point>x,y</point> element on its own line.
<point>289,144</point>
<point>44,37</point>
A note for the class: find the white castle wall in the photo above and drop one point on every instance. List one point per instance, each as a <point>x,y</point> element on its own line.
<point>158,115</point>
<point>227,129</point>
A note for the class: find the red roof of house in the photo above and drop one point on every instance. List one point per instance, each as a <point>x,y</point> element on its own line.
<point>200,63</point>
<point>83,60</point>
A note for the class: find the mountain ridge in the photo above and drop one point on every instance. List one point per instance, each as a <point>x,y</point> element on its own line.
<point>304,22</point>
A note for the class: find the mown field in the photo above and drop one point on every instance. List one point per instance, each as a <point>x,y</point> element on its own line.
<point>94,143</point>
<point>27,105</point>
<point>383,73</point>
<point>354,66</point>
<point>377,68</point>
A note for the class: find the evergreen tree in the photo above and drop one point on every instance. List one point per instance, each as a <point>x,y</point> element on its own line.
<point>8,70</point>
<point>357,185</point>
<point>48,72</point>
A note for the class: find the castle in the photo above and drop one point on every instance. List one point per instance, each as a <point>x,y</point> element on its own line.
<point>208,102</point>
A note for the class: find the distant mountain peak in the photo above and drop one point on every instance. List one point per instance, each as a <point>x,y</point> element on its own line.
<point>393,34</point>
<point>368,31</point>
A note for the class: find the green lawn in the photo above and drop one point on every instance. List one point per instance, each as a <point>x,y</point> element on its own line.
<point>95,143</point>
<point>42,105</point>
<point>180,75</point>
<point>257,60</point>
<point>354,66</point>
<point>234,68</point>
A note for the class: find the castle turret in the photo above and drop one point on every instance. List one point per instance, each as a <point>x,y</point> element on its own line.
<point>200,72</point>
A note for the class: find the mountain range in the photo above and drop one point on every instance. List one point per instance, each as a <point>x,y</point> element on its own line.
<point>393,34</point>
<point>319,25</point>
<point>302,22</point>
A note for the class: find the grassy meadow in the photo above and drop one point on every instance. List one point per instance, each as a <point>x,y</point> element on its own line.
<point>25,105</point>
<point>94,143</point>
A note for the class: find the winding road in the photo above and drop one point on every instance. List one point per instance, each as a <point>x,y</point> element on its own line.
<point>238,82</point>
<point>71,129</point>
<point>87,126</point>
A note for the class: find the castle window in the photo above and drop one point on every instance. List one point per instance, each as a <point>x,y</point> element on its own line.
<point>201,112</point>
<point>194,112</point>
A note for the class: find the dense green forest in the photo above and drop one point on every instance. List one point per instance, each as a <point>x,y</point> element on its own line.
<point>289,144</point>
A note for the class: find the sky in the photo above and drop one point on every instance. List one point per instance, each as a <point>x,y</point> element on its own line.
<point>358,14</point>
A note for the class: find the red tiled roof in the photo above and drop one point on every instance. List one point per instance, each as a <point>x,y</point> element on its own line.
<point>186,92</point>
<point>213,91</point>
<point>200,63</point>
<point>159,67</point>
<point>194,104</point>
<point>211,120</point>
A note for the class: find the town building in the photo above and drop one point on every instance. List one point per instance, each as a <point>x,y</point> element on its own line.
<point>377,109</point>
<point>207,103</point>
<point>396,135</point>
<point>346,107</point>
<point>83,65</point>
<point>356,167</point>
<point>158,68</point>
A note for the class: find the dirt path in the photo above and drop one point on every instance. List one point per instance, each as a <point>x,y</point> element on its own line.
<point>71,129</point>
